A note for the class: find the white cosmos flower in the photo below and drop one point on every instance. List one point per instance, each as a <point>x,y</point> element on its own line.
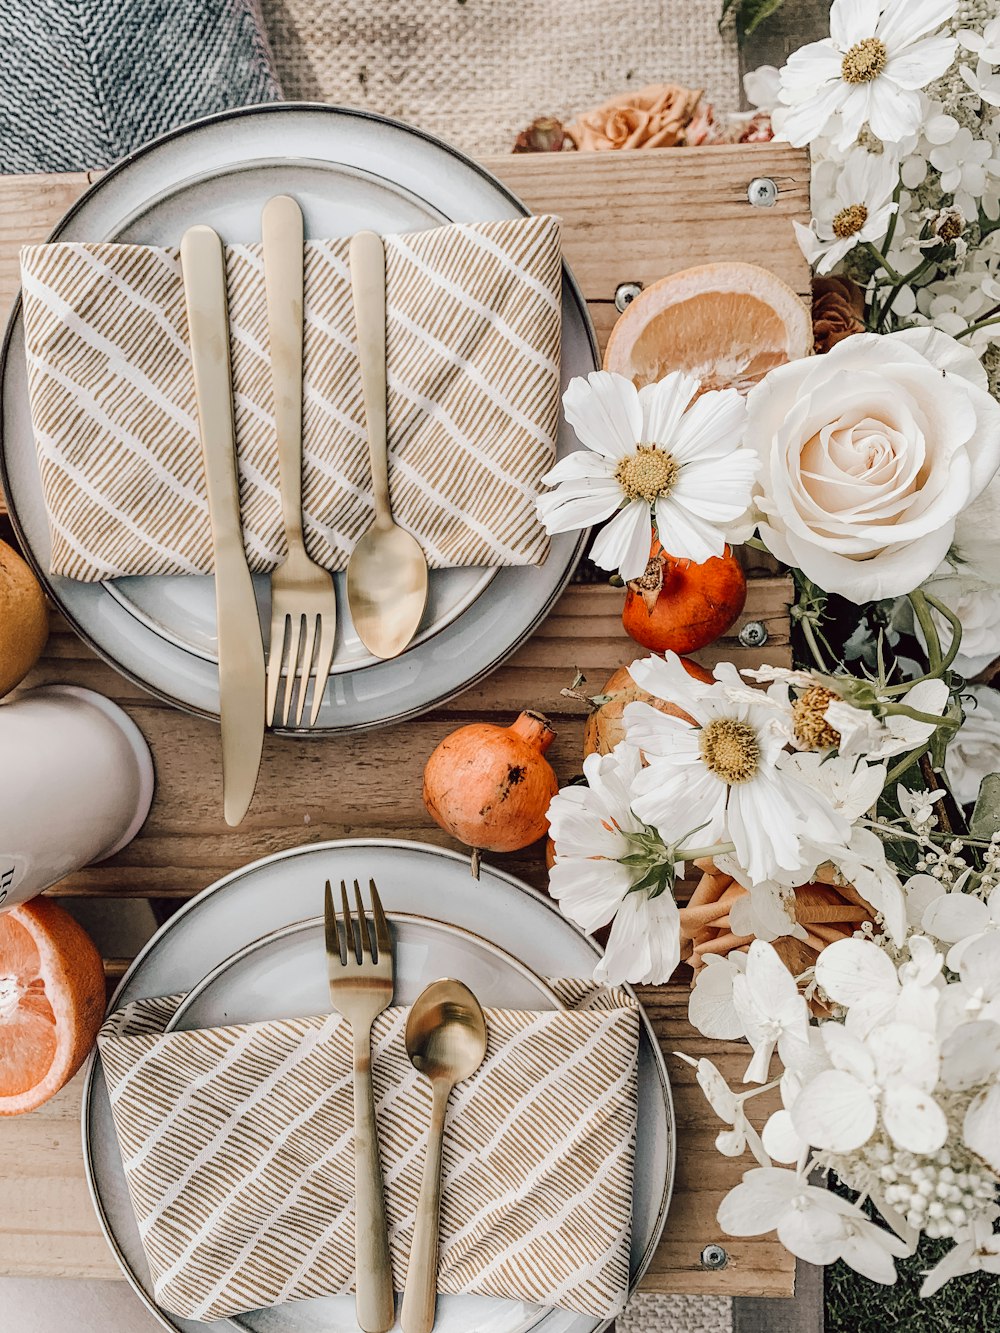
<point>853,203</point>
<point>863,735</point>
<point>868,71</point>
<point>976,1252</point>
<point>724,774</point>
<point>813,1224</point>
<point>593,828</point>
<point>773,1012</point>
<point>889,1076</point>
<point>656,452</point>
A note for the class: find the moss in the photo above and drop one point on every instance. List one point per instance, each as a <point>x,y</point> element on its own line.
<point>965,1305</point>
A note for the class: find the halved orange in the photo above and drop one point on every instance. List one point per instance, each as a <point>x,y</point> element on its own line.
<point>727,323</point>
<point>52,997</point>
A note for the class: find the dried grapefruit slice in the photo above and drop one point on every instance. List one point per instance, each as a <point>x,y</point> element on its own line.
<point>52,998</point>
<point>727,323</point>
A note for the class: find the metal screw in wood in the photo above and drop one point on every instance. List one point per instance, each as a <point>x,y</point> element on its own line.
<point>753,634</point>
<point>625,294</point>
<point>762,192</point>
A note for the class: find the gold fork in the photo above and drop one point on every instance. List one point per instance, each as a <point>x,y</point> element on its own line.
<point>301,590</point>
<point>361,985</point>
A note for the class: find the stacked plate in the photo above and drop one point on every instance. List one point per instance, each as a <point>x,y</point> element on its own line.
<point>349,171</point>
<point>251,948</point>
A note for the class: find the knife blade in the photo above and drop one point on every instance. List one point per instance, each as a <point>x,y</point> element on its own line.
<point>241,647</point>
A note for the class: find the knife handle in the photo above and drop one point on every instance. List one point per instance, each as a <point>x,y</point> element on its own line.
<point>282,232</point>
<point>203,265</point>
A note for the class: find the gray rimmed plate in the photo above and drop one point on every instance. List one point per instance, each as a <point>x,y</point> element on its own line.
<point>273,893</point>
<point>348,169</point>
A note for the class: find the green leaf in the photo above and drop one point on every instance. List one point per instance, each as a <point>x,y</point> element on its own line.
<point>986,814</point>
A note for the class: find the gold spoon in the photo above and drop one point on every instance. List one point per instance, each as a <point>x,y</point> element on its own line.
<point>446,1041</point>
<point>387,571</point>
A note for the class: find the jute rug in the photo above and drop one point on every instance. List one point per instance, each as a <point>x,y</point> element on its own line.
<point>477,71</point>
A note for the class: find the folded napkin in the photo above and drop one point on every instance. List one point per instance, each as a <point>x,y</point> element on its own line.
<point>237,1144</point>
<point>472,350</point>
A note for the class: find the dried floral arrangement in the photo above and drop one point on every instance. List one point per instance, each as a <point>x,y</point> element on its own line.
<point>844,815</point>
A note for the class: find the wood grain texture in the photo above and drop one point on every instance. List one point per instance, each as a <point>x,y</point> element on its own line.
<point>630,216</point>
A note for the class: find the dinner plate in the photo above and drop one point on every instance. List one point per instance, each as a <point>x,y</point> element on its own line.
<point>284,975</point>
<point>413,878</point>
<point>349,170</point>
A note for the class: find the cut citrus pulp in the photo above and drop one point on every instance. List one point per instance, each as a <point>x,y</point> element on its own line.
<point>52,998</point>
<point>727,323</point>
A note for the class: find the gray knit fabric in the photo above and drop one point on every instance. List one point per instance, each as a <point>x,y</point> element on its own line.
<point>83,82</point>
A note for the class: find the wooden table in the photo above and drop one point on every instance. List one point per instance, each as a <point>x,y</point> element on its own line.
<point>630,216</point>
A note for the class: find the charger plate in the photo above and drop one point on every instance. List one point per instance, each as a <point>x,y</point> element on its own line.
<point>349,170</point>
<point>413,878</point>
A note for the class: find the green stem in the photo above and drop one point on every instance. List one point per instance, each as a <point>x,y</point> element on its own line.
<point>810,637</point>
<point>934,720</point>
<point>699,853</point>
<point>907,761</point>
<point>956,630</point>
<point>876,253</point>
<point>979,324</point>
<point>887,243</point>
<point>918,600</point>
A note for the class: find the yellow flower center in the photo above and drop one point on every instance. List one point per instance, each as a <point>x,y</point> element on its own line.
<point>647,474</point>
<point>849,220</point>
<point>812,730</point>
<point>730,749</point>
<point>865,61</point>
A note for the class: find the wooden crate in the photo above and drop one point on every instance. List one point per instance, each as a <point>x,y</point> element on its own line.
<point>628,217</point>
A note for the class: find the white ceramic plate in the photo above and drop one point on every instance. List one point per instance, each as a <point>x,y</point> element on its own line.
<point>348,169</point>
<point>284,975</point>
<point>412,878</point>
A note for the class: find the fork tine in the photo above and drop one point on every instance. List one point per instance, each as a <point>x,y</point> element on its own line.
<point>330,923</point>
<point>324,660</point>
<point>275,656</point>
<point>294,639</point>
<point>366,934</point>
<point>306,668</point>
<point>382,937</point>
<point>353,943</point>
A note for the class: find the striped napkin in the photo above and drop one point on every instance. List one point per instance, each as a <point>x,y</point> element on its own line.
<point>237,1144</point>
<point>472,334</point>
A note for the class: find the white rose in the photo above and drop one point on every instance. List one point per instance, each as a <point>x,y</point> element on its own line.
<point>869,453</point>
<point>975,750</point>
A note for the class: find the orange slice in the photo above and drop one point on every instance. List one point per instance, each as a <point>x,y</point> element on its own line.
<point>729,324</point>
<point>52,998</point>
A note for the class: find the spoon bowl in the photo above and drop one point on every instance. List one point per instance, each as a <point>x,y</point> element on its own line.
<point>446,1041</point>
<point>446,1033</point>
<point>387,589</point>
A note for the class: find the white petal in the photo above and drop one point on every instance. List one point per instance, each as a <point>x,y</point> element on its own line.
<point>851,21</point>
<point>685,535</point>
<point>980,1127</point>
<point>913,1119</point>
<point>663,405</point>
<point>780,1139</point>
<point>712,427</point>
<point>758,1203</point>
<point>907,20</point>
<point>710,1007</point>
<point>848,970</point>
<point>579,504</point>
<point>971,1055</point>
<point>865,1251</point>
<point>959,1260</point>
<point>834,1112</point>
<point>625,542</point>
<point>604,411</point>
<point>953,916</point>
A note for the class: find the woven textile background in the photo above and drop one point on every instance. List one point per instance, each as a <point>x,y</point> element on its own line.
<point>477,71</point>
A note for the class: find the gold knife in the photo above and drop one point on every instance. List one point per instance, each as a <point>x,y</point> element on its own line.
<point>241,647</point>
